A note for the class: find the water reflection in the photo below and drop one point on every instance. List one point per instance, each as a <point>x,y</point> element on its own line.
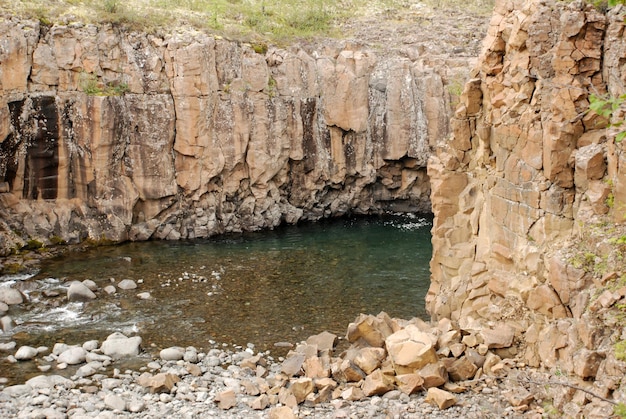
<point>282,285</point>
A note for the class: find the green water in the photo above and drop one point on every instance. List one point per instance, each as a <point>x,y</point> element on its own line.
<point>262,288</point>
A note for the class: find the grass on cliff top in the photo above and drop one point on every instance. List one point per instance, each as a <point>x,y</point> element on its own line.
<point>277,20</point>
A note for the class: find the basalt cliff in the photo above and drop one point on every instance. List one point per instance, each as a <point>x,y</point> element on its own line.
<point>529,193</point>
<point>110,135</point>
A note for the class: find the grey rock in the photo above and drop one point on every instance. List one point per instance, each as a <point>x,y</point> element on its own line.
<point>6,323</point>
<point>11,296</point>
<point>110,289</point>
<point>90,284</point>
<point>127,284</point>
<point>8,346</point>
<point>79,292</point>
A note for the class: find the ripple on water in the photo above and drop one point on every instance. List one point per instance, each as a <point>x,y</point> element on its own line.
<point>265,287</point>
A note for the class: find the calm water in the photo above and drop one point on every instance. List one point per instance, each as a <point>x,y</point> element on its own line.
<point>262,288</point>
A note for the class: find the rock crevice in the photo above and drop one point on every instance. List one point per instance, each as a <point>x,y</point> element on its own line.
<point>111,135</point>
<point>527,184</point>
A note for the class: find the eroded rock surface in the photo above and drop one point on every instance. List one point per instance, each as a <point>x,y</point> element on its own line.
<point>525,187</point>
<point>110,135</point>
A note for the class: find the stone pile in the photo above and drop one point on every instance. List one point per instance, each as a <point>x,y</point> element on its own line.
<point>385,368</point>
<point>384,355</point>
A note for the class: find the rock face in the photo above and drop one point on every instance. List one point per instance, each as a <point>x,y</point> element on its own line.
<point>109,135</point>
<point>523,180</point>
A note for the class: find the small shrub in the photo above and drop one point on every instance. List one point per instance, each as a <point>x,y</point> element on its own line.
<point>606,107</point>
<point>33,245</point>
<point>260,48</point>
<point>111,6</point>
<point>56,240</point>
<point>620,350</point>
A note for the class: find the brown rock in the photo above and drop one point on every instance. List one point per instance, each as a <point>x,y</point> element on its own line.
<point>292,365</point>
<point>226,399</point>
<point>410,383</point>
<point>462,369</point>
<point>454,387</point>
<point>325,382</point>
<point>434,375</point>
<point>586,363</point>
<point>353,394</point>
<point>252,362</point>
<point>159,383</point>
<point>499,337</point>
<point>322,396</point>
<point>369,359</point>
<point>376,384</point>
<point>314,368</point>
<point>350,372</point>
<point>373,330</point>
<point>440,398</point>
<point>282,412</point>
<point>193,369</point>
<point>286,397</point>
<point>250,388</point>
<point>260,403</point>
<point>301,388</point>
<point>324,341</point>
<point>448,338</point>
<point>410,349</point>
<point>519,396</point>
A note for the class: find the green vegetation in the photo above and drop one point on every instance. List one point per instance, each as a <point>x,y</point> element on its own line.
<point>607,106</point>
<point>271,87</point>
<point>90,85</point>
<point>620,410</point>
<point>606,4</point>
<point>33,245</point>
<point>620,350</point>
<point>278,20</point>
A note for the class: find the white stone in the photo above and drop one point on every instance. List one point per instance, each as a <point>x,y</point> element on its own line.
<point>118,346</point>
<point>110,289</point>
<point>91,345</point>
<point>127,284</point>
<point>90,284</point>
<point>89,369</point>
<point>25,353</point>
<point>114,402</point>
<point>172,354</point>
<point>72,356</point>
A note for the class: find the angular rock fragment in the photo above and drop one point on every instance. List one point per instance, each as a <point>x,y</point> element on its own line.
<point>440,398</point>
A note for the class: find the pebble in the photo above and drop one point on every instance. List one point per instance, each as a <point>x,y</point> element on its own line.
<point>93,393</point>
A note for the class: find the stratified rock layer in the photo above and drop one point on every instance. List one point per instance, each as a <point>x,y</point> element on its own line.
<point>525,177</point>
<point>110,135</point>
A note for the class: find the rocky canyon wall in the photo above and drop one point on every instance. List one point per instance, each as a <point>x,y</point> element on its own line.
<point>110,135</point>
<point>524,182</point>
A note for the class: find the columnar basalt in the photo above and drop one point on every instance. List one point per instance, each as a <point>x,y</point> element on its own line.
<point>106,134</point>
<point>526,175</point>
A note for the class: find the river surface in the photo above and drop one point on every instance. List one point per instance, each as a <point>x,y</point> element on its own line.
<point>259,288</point>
